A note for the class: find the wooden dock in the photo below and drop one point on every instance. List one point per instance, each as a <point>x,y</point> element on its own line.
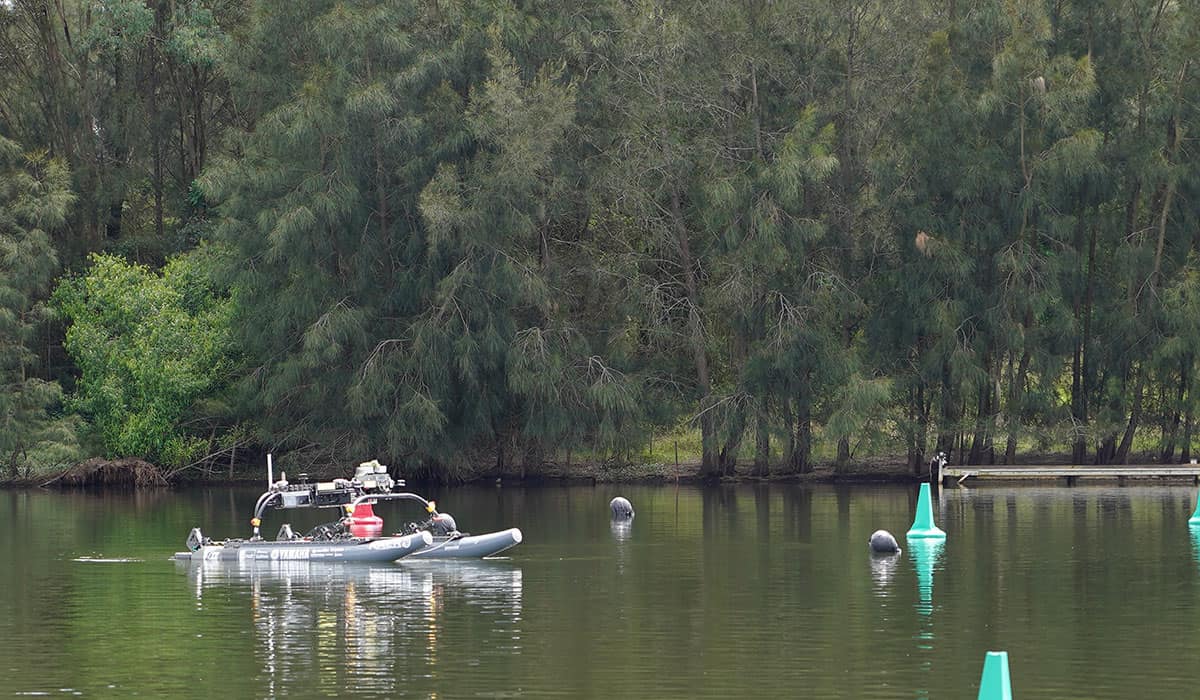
<point>1071,472</point>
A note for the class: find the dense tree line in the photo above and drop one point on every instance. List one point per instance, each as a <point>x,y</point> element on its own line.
<point>464,234</point>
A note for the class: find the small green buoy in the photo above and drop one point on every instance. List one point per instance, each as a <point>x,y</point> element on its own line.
<point>923,526</point>
<point>995,683</point>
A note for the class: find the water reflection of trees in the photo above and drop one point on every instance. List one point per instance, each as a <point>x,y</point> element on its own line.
<point>343,627</point>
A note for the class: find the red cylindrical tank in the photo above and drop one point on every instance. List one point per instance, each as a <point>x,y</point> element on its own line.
<point>364,522</point>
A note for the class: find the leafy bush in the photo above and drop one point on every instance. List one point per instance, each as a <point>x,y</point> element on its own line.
<point>151,348</point>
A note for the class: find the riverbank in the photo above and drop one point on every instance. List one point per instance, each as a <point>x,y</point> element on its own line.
<point>134,473</point>
<point>884,469</point>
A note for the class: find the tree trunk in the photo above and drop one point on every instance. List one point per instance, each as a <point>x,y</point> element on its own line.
<point>501,462</point>
<point>112,228</point>
<point>843,456</point>
<point>1135,416</point>
<point>801,458</point>
<point>918,430</point>
<point>1078,412</point>
<point>1181,396</point>
<point>789,424</point>
<point>1170,153</point>
<point>1185,452</point>
<point>950,414</point>
<point>1081,365</point>
<point>199,142</point>
<point>155,120</point>
<point>1170,434</point>
<point>1016,390</point>
<point>979,441</point>
<point>733,442</point>
<point>709,466</point>
<point>762,440</point>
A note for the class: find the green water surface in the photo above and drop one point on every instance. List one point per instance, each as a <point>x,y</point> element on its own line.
<point>751,591</point>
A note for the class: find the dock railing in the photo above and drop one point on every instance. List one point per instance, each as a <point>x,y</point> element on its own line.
<point>1070,472</point>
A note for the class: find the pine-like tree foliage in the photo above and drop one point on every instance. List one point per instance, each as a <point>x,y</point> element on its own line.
<point>128,94</point>
<point>480,233</point>
<point>774,281</point>
<point>999,152</point>
<point>34,201</point>
<point>390,207</point>
<point>698,186</point>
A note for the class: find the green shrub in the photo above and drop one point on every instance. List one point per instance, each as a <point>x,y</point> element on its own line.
<point>150,348</point>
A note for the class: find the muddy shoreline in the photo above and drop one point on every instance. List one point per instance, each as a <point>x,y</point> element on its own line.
<point>96,473</point>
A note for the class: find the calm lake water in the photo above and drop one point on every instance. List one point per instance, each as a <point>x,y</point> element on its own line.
<point>741,591</point>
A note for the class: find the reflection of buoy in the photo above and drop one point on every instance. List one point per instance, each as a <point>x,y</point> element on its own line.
<point>925,554</point>
<point>923,526</point>
<point>883,570</point>
<point>995,683</point>
<point>621,508</point>
<point>882,541</point>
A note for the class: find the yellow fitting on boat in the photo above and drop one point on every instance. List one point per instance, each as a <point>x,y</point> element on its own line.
<point>349,507</point>
<point>431,506</point>
<point>255,522</point>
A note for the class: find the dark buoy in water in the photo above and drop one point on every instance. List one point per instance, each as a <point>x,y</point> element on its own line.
<point>622,509</point>
<point>882,541</point>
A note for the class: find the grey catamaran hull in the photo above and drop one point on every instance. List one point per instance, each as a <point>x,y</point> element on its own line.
<point>469,546</point>
<point>380,549</point>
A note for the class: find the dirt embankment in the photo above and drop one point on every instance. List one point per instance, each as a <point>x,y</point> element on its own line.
<point>889,469</point>
<point>136,473</point>
<point>106,473</point>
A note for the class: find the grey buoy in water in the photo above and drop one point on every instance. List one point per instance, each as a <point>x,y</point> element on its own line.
<point>622,509</point>
<point>882,541</point>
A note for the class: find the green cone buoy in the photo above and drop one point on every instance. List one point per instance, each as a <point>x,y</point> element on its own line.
<point>1195,519</point>
<point>995,683</point>
<point>923,526</point>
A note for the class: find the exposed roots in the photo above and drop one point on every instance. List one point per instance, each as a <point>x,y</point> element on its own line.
<point>118,472</point>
